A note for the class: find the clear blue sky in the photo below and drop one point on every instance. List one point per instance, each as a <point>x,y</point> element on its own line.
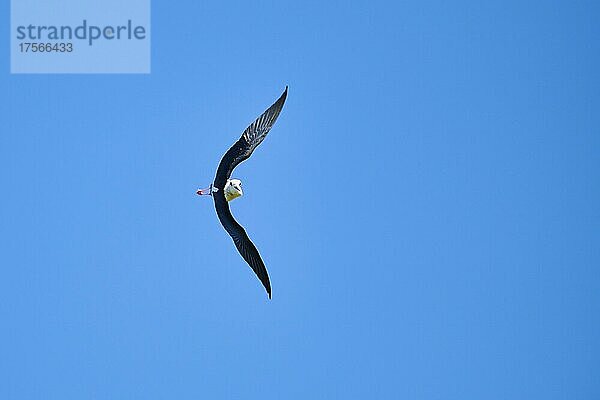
<point>428,207</point>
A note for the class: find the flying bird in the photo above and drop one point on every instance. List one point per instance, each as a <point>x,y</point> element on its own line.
<point>224,189</point>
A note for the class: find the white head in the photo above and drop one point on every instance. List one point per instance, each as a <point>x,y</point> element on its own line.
<point>233,189</point>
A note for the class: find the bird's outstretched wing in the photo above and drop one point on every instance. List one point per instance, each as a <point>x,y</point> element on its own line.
<point>240,151</point>
<point>241,240</point>
<point>251,138</point>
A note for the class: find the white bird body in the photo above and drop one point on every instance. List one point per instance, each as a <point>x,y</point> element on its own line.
<point>233,189</point>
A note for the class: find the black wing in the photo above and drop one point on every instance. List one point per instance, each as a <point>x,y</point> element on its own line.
<point>241,240</point>
<point>251,138</point>
<point>240,151</point>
